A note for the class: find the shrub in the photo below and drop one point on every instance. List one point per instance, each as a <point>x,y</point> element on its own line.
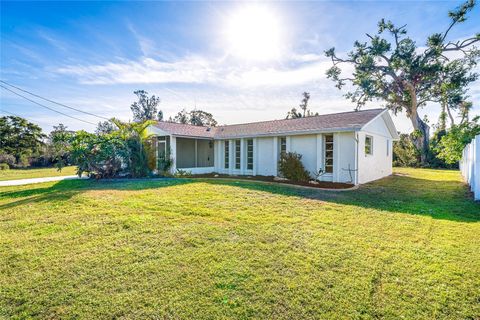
<point>101,156</point>
<point>4,166</point>
<point>182,173</point>
<point>291,167</point>
<point>405,154</point>
<point>8,159</point>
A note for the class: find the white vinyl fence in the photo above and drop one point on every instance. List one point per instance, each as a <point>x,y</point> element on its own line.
<point>470,166</point>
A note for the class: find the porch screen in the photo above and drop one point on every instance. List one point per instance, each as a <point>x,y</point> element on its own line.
<point>194,153</point>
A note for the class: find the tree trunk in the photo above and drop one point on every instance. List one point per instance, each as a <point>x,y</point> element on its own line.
<point>422,130</point>
<point>450,116</point>
<point>421,137</point>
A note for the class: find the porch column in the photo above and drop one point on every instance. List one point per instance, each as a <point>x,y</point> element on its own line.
<point>320,152</point>
<point>173,154</point>
<point>275,156</point>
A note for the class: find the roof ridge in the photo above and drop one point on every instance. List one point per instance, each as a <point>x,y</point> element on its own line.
<point>320,115</point>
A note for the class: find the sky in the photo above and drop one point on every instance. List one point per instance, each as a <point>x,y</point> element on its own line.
<point>240,61</point>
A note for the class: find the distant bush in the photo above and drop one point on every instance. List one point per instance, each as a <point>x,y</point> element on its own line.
<point>4,166</point>
<point>405,154</point>
<point>8,159</point>
<point>291,167</point>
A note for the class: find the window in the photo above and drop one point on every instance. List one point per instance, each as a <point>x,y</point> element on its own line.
<point>249,154</point>
<point>283,145</point>
<point>163,147</point>
<point>237,154</point>
<point>227,154</point>
<point>329,153</point>
<point>368,145</point>
<point>388,147</point>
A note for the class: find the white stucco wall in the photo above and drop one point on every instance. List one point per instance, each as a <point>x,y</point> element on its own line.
<point>265,160</point>
<point>311,147</point>
<point>379,164</point>
<point>344,151</point>
<point>306,145</point>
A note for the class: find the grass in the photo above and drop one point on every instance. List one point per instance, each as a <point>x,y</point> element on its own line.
<point>14,174</point>
<point>406,247</point>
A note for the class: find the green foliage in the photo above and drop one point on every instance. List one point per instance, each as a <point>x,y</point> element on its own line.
<point>454,141</point>
<point>101,156</point>
<point>105,127</point>
<point>405,154</point>
<point>123,152</point>
<point>8,159</point>
<point>291,167</point>
<point>392,68</point>
<point>146,108</point>
<point>59,144</point>
<point>20,138</point>
<point>195,117</point>
<point>4,166</point>
<point>294,114</point>
<point>183,173</point>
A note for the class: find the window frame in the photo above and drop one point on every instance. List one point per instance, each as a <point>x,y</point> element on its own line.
<point>226,154</point>
<point>249,148</point>
<point>283,145</point>
<point>238,154</point>
<point>370,145</point>
<point>332,149</point>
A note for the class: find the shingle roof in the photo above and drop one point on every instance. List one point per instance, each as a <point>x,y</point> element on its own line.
<point>187,130</point>
<point>328,122</point>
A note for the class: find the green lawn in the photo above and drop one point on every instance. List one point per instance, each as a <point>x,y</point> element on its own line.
<point>407,246</point>
<point>14,174</point>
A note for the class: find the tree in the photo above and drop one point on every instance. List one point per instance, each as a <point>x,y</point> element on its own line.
<point>195,117</point>
<point>101,156</point>
<point>136,137</point>
<point>452,144</point>
<point>451,88</point>
<point>464,109</point>
<point>105,127</point>
<point>404,152</point>
<point>59,142</point>
<point>294,114</point>
<point>20,138</point>
<point>399,72</point>
<point>146,108</point>
<point>181,117</point>
<point>202,118</point>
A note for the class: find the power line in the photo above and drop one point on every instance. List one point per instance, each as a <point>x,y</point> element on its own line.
<point>17,115</point>
<point>51,101</point>
<point>44,106</point>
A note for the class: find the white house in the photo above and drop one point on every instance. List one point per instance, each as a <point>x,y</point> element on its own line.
<point>351,147</point>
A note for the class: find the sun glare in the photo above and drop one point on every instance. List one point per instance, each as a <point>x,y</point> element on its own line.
<point>254,33</point>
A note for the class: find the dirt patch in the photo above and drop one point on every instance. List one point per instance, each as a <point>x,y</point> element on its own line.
<point>320,184</point>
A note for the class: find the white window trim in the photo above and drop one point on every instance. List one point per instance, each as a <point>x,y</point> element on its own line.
<point>371,145</point>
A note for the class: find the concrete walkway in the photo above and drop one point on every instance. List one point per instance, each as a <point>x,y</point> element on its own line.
<point>20,182</point>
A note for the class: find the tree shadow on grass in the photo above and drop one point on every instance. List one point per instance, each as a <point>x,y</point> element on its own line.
<point>440,199</point>
<point>64,190</point>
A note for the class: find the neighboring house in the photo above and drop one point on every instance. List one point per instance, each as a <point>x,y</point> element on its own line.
<point>352,147</point>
